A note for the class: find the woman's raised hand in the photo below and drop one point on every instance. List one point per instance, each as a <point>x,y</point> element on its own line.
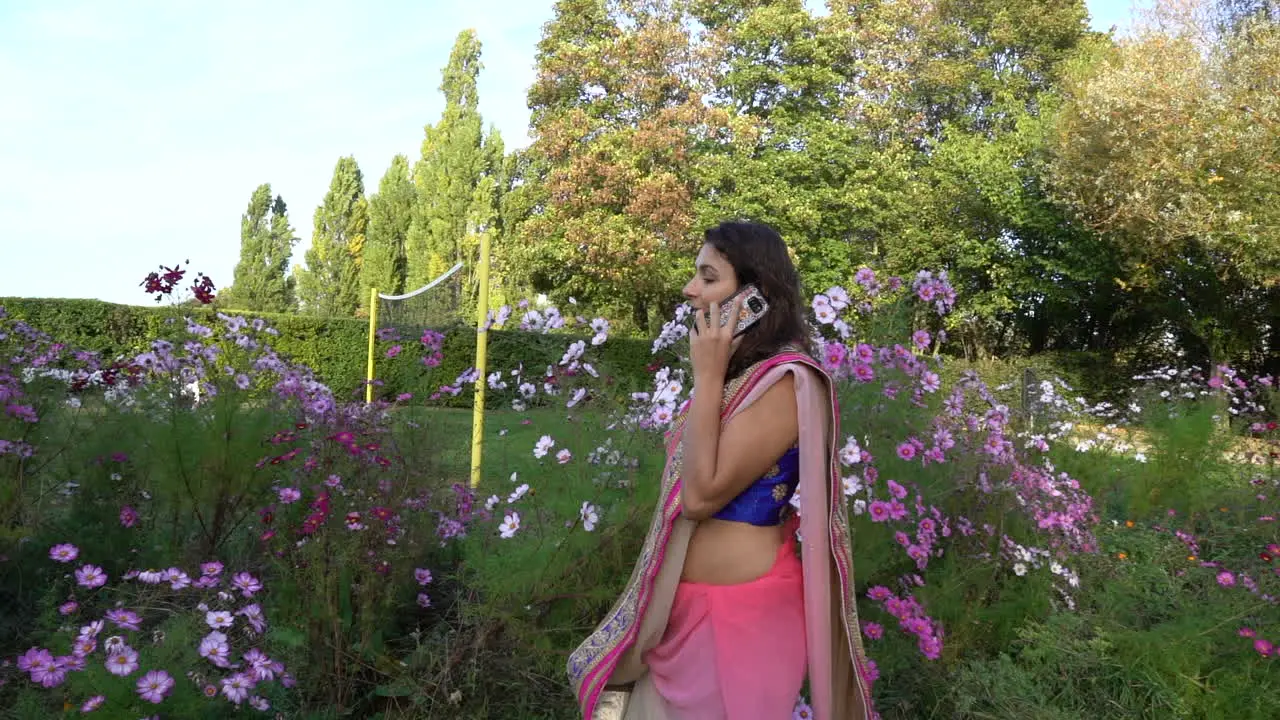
<point>710,344</point>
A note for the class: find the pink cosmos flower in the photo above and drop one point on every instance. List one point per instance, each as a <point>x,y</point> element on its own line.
<point>215,649</point>
<point>128,516</point>
<point>879,593</point>
<point>875,631</point>
<point>236,688</point>
<point>91,576</point>
<point>65,552</point>
<point>253,614</point>
<point>1226,578</point>
<point>834,354</point>
<point>907,451</point>
<point>122,661</point>
<point>93,703</point>
<point>921,339</point>
<point>261,667</point>
<point>177,579</point>
<point>50,674</point>
<point>125,619</point>
<point>247,584</point>
<point>930,647</point>
<point>155,685</point>
<point>33,658</point>
<point>84,645</point>
<point>870,672</point>
<point>218,619</point>
<point>422,576</point>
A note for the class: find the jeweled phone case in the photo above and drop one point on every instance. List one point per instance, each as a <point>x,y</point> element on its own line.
<point>754,306</point>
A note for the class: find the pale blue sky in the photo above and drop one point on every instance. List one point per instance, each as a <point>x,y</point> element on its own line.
<point>132,132</point>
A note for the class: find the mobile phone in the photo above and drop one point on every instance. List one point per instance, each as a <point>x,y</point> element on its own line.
<point>754,306</point>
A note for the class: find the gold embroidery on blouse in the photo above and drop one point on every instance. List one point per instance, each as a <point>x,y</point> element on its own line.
<point>779,492</point>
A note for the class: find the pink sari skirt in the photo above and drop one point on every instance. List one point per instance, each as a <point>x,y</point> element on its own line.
<point>735,652</point>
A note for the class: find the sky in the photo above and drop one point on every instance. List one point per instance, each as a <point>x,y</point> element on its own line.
<point>133,132</point>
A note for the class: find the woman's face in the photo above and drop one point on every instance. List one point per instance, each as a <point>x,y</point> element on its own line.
<point>713,279</point>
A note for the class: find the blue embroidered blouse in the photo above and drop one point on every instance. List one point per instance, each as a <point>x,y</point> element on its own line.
<point>763,502</point>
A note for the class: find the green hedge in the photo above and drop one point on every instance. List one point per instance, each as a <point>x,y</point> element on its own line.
<point>335,348</point>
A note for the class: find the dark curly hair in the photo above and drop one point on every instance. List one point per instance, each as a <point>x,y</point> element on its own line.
<point>759,256</point>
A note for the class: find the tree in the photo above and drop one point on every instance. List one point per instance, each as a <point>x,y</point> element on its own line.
<point>266,244</point>
<point>330,283</point>
<point>384,264</point>
<point>1231,14</point>
<point>452,162</point>
<point>833,187</point>
<point>1167,146</point>
<point>617,115</point>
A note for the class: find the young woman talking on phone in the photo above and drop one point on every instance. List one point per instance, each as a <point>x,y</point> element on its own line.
<point>726,613</point>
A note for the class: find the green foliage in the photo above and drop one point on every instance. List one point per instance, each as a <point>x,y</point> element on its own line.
<point>458,180</point>
<point>330,283</point>
<point>617,118</point>
<point>1193,244</point>
<point>390,213</point>
<point>266,243</point>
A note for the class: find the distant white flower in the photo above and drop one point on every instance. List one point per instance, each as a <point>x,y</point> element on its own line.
<point>823,311</point>
<point>589,516</point>
<point>510,524</point>
<point>574,353</point>
<point>852,485</point>
<point>519,493</point>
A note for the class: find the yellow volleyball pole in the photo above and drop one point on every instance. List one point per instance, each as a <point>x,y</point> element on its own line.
<point>373,331</point>
<point>482,343</point>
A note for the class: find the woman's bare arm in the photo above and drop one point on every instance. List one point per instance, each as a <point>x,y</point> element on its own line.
<point>718,465</point>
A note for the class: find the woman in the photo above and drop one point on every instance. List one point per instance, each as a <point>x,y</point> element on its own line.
<point>720,619</point>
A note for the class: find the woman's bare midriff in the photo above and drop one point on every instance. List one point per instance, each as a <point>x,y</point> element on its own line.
<point>726,552</point>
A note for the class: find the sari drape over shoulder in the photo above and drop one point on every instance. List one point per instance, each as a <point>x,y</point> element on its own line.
<point>611,657</point>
